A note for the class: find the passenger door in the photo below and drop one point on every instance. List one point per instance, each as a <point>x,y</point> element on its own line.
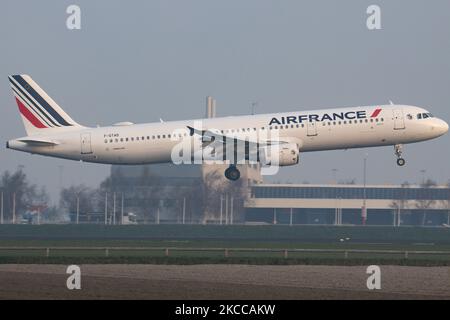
<point>399,120</point>
<point>311,128</point>
<point>86,147</point>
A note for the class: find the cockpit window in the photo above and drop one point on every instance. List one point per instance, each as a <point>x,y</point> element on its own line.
<point>424,115</point>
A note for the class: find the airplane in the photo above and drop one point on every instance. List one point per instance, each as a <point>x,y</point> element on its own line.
<point>52,132</point>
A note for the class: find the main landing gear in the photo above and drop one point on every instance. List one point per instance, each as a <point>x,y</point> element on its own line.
<point>398,152</point>
<point>232,173</point>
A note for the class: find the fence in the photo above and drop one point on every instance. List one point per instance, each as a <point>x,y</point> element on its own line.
<point>219,252</point>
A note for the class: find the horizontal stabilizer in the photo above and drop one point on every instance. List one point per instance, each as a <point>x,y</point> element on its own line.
<point>39,142</point>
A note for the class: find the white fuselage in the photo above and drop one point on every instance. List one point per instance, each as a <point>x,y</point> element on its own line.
<point>317,130</point>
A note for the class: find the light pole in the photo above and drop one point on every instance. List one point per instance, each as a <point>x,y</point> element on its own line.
<point>184,210</point>
<point>221,209</point>
<point>254,105</point>
<point>106,208</point>
<point>364,207</point>
<point>1,208</point>
<point>14,209</point>
<point>78,208</point>
<point>423,171</point>
<point>121,211</point>
<point>334,171</point>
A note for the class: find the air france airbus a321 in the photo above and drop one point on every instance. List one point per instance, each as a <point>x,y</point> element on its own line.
<point>277,138</point>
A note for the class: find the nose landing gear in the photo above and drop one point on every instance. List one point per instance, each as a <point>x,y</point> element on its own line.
<point>398,152</point>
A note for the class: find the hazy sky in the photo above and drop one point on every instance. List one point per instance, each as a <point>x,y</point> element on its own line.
<point>144,60</point>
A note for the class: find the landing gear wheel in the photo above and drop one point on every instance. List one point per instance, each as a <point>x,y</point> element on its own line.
<point>401,162</point>
<point>398,152</point>
<point>232,173</point>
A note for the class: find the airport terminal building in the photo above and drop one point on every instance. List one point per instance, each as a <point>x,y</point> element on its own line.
<point>339,204</point>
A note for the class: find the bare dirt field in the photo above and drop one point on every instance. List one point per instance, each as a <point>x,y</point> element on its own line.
<point>222,282</point>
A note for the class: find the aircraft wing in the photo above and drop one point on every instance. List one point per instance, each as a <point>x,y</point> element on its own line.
<point>210,136</point>
<point>250,146</point>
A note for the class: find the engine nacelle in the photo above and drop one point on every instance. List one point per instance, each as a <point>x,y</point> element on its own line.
<point>282,155</point>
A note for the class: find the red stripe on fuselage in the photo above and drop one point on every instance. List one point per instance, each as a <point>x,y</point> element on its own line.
<point>30,117</point>
<point>375,113</point>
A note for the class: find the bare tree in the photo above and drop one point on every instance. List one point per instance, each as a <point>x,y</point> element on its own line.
<point>19,194</point>
<point>86,199</point>
<point>401,202</point>
<point>425,204</point>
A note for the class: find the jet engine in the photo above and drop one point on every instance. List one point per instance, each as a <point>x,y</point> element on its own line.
<point>287,154</point>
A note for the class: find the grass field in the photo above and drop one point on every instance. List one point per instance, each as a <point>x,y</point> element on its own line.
<point>235,232</point>
<point>196,244</point>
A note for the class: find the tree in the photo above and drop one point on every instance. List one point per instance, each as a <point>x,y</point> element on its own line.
<point>86,197</point>
<point>401,202</point>
<point>19,195</point>
<point>213,189</point>
<point>425,204</point>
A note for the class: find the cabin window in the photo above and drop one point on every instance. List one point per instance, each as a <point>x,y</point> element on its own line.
<point>158,136</point>
<point>106,141</point>
<point>111,140</point>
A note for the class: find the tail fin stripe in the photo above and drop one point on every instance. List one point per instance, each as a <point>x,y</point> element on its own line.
<point>33,107</point>
<point>26,97</point>
<point>27,114</point>
<point>41,101</point>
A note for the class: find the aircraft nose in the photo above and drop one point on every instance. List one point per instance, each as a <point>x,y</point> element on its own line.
<point>440,127</point>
